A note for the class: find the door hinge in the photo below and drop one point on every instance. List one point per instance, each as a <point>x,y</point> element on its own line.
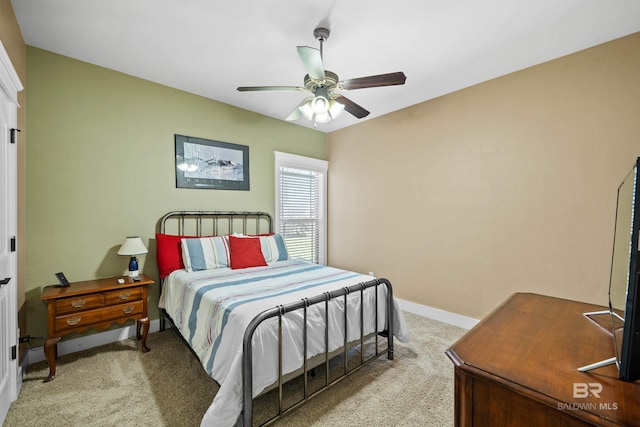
<point>14,135</point>
<point>13,244</point>
<point>14,352</point>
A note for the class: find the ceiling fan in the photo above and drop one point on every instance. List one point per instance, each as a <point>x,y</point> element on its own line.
<point>326,103</point>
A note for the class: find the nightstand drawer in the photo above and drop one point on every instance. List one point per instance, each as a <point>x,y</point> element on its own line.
<point>79,303</point>
<point>101,315</point>
<point>123,295</point>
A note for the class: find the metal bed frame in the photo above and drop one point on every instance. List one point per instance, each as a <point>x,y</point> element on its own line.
<point>201,223</point>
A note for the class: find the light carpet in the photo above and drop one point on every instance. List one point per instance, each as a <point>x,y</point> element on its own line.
<point>116,384</point>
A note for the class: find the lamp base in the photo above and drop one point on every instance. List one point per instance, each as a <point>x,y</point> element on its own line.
<point>133,267</point>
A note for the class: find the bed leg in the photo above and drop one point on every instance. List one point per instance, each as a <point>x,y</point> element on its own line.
<point>162,321</point>
<point>389,338</point>
<point>389,320</point>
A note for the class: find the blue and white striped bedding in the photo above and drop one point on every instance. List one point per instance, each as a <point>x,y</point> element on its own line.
<point>212,309</point>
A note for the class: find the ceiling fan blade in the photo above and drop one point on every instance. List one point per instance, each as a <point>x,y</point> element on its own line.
<point>351,107</point>
<point>312,60</point>
<point>263,88</point>
<point>295,115</point>
<point>389,79</point>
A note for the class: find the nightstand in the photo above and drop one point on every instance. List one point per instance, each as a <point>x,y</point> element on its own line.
<point>94,304</point>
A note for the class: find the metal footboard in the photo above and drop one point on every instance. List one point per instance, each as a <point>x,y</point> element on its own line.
<point>210,223</point>
<point>280,311</point>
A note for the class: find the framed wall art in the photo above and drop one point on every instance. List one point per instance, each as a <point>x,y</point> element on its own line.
<point>208,164</point>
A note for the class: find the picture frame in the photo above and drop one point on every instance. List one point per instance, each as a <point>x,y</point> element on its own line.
<point>209,164</point>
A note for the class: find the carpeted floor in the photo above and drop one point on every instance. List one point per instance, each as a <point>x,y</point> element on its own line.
<point>118,385</point>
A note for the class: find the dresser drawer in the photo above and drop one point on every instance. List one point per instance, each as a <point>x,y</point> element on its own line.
<point>100,315</point>
<point>123,295</point>
<point>79,303</point>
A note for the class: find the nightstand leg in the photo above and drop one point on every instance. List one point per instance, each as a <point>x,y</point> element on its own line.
<point>144,325</point>
<point>51,353</point>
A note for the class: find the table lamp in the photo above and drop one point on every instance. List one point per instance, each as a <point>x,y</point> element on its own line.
<point>133,246</point>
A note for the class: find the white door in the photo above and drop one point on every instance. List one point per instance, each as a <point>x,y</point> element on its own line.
<point>9,84</point>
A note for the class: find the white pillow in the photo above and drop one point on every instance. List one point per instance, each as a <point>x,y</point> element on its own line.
<point>205,253</point>
<point>273,248</point>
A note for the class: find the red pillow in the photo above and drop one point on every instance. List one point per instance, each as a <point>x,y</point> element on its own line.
<point>246,252</point>
<point>169,253</point>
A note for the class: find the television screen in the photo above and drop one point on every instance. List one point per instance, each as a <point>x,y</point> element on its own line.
<point>624,296</point>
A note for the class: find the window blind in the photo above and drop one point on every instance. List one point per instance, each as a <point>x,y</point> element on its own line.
<point>301,208</point>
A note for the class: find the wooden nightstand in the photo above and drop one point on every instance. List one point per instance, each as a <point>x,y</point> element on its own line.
<point>94,304</point>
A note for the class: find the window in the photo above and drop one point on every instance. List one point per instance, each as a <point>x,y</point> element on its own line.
<point>301,206</point>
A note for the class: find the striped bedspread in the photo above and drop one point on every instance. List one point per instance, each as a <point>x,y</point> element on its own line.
<point>212,309</point>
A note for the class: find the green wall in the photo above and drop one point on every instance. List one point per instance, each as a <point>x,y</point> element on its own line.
<point>101,166</point>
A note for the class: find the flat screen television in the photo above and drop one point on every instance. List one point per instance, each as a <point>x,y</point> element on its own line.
<point>624,283</point>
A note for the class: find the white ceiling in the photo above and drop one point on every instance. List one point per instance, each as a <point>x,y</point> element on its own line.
<point>210,47</point>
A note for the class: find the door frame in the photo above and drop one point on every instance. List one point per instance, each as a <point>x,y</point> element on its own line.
<point>10,85</point>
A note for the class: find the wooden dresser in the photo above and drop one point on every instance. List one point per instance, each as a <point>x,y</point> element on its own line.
<point>518,367</point>
<point>94,304</point>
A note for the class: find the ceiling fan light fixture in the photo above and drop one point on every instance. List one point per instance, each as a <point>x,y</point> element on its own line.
<point>307,110</point>
<point>330,109</point>
<point>335,108</point>
<point>320,105</point>
<point>322,117</point>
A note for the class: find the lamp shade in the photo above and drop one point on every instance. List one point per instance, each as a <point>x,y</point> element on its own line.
<point>132,246</point>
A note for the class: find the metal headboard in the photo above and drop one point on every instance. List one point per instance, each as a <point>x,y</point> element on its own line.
<point>214,223</point>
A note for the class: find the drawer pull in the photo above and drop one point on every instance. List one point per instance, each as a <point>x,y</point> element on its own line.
<point>72,321</point>
<point>77,303</point>
<point>125,296</point>
<point>128,310</point>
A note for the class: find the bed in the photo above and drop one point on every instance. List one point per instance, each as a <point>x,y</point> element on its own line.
<point>259,321</point>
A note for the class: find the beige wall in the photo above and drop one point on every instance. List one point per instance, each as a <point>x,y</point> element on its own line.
<point>506,186</point>
<point>102,166</point>
<point>13,43</point>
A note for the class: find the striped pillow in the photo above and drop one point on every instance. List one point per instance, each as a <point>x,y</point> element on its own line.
<point>273,248</point>
<point>205,253</point>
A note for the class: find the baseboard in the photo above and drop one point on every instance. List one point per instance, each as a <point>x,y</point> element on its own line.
<point>437,314</point>
<point>36,354</point>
